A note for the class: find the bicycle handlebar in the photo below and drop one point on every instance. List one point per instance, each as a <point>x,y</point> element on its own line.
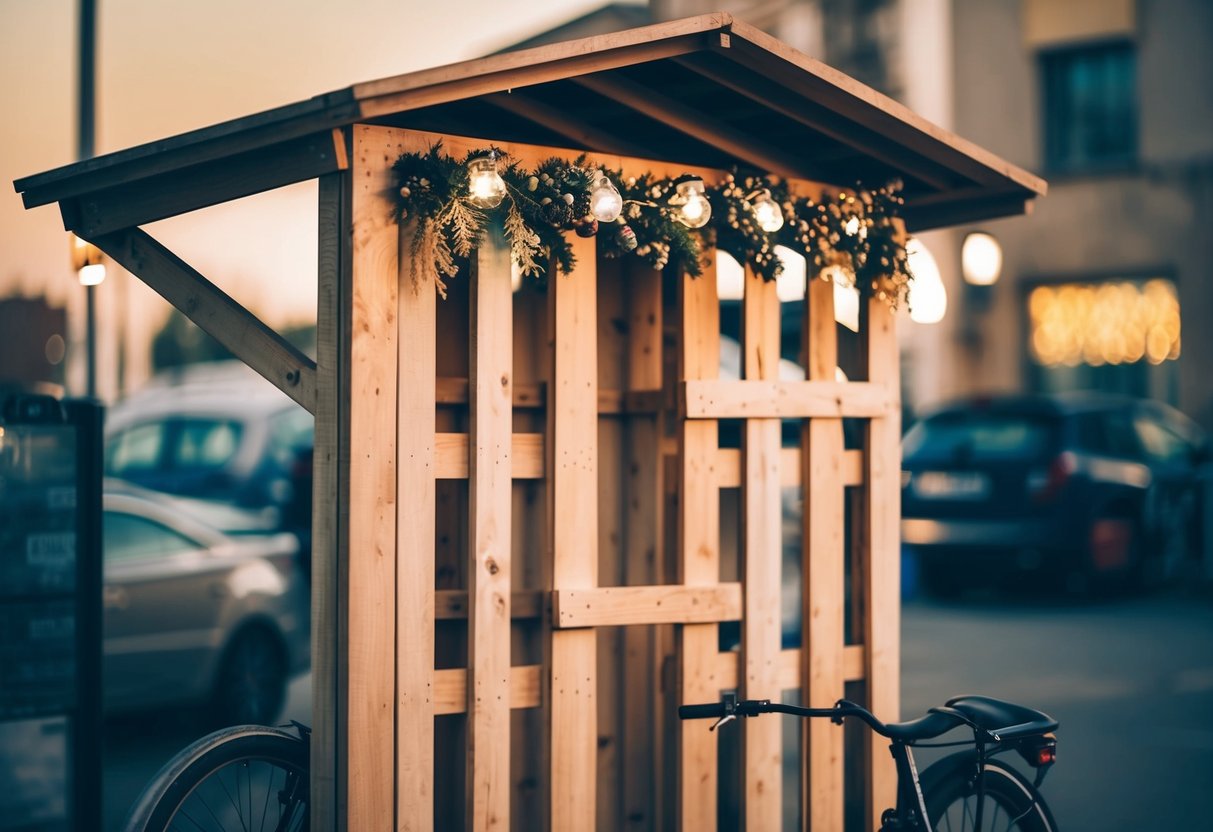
<point>730,706</point>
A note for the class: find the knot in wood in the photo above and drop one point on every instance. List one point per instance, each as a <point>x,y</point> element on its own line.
<point>492,566</point>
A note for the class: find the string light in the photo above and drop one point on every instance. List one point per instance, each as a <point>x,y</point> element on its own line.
<point>767,212</point>
<point>485,184</point>
<point>606,203</point>
<point>695,210</point>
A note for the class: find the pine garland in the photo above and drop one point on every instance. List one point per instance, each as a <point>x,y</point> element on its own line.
<point>854,230</point>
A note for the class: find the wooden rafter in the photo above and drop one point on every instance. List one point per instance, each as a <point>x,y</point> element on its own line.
<point>215,312</point>
<point>558,121</point>
<point>699,125</point>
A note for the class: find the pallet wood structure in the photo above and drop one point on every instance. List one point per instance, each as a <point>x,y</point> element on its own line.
<point>528,532</point>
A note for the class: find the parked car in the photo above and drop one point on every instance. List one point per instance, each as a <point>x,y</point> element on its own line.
<point>1084,488</point>
<point>197,617</point>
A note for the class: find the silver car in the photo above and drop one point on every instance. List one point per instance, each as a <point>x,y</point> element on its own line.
<point>195,616</point>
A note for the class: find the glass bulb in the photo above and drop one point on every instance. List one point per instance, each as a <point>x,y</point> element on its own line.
<point>92,275</point>
<point>485,185</point>
<point>981,259</point>
<point>695,208</point>
<point>606,203</point>
<point>767,213</point>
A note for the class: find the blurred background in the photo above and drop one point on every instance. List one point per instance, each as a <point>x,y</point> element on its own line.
<point>1056,366</point>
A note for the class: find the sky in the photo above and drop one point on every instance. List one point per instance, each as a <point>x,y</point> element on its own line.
<point>168,66</point>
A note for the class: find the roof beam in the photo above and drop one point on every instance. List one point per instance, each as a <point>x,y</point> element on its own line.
<point>208,183</point>
<point>694,123</point>
<point>812,115</point>
<point>968,206</point>
<point>558,121</point>
<point>215,312</point>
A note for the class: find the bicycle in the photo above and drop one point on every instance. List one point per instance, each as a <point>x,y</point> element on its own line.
<point>248,777</point>
<point>952,793</point>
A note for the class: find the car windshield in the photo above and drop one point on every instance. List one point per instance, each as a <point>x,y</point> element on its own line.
<point>980,436</point>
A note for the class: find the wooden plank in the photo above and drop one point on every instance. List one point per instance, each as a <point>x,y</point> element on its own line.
<point>791,667</point>
<point>578,132</point>
<point>644,530</point>
<point>489,514</point>
<point>370,645</point>
<point>701,126</point>
<point>451,456</point>
<point>698,551</point>
<point>573,515</point>
<point>622,605</point>
<point>451,689</point>
<point>452,604</point>
<point>415,530</point>
<point>225,320</point>
<point>728,467</point>
<point>716,399</point>
<point>209,183</point>
<point>824,624</point>
<point>762,552</point>
<point>882,565</point>
<point>330,466</point>
<point>454,391</point>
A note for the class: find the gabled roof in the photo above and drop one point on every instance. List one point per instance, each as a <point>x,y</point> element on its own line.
<point>706,91</point>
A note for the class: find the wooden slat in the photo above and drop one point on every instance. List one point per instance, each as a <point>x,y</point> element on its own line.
<point>451,689</point>
<point>452,604</point>
<point>370,645</point>
<point>454,391</point>
<point>572,472</point>
<point>701,126</point>
<point>622,605</point>
<point>489,514</point>
<point>451,461</point>
<point>823,633</point>
<point>215,313</point>
<point>698,551</point>
<point>644,530</point>
<point>791,667</point>
<point>785,399</point>
<point>415,530</point>
<point>762,552</point>
<point>330,467</point>
<point>146,200</point>
<point>728,467</point>
<point>579,133</point>
<point>881,569</point>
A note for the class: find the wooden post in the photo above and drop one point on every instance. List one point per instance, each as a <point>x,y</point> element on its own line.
<point>882,566</point>
<point>415,529</point>
<point>698,549</point>
<point>572,470</point>
<point>489,512</point>
<point>369,642</point>
<point>642,716</point>
<point>823,609</point>
<point>762,554</point>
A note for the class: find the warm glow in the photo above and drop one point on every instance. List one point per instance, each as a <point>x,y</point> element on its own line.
<point>606,203</point>
<point>928,299</point>
<point>1108,323</point>
<point>790,285</point>
<point>92,274</point>
<point>695,210</point>
<point>730,277</point>
<point>767,213</point>
<point>981,259</point>
<point>485,185</point>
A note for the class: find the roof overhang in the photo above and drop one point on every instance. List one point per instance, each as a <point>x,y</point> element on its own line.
<point>706,91</point>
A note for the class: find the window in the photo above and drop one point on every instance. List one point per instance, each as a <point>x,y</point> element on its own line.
<point>1090,107</point>
<point>128,536</point>
<point>206,444</point>
<point>135,450</point>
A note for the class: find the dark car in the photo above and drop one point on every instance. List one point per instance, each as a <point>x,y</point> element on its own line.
<point>1081,489</point>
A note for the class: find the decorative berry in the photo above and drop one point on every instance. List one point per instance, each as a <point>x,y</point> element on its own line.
<point>586,229</point>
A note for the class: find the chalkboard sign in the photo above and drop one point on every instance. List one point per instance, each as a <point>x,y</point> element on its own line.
<point>50,614</point>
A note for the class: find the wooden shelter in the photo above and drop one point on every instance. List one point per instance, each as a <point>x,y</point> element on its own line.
<point>527,531</point>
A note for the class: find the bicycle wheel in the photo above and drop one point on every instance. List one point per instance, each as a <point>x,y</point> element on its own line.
<point>245,778</point>
<point>1012,803</point>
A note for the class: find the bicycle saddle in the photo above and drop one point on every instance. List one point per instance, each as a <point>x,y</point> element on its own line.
<point>1005,719</point>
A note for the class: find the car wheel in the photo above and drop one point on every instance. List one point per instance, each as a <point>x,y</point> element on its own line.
<point>250,687</point>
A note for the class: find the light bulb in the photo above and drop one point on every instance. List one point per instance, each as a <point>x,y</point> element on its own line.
<point>92,275</point>
<point>981,259</point>
<point>767,213</point>
<point>485,185</point>
<point>928,299</point>
<point>695,210</point>
<point>606,204</point>
<point>852,226</point>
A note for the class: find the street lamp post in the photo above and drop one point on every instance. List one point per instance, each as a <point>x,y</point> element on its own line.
<point>86,100</point>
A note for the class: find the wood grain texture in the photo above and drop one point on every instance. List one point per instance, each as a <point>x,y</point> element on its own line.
<point>573,505</point>
<point>451,689</point>
<point>785,399</point>
<point>370,645</point>
<point>698,550</point>
<point>791,667</point>
<point>824,633</point>
<point>728,467</point>
<point>621,605</point>
<point>415,530</point>
<point>489,513</point>
<point>451,461</point>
